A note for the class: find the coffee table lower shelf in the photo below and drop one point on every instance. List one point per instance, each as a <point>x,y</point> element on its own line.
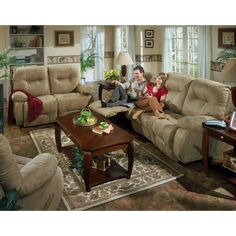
<point>115,171</point>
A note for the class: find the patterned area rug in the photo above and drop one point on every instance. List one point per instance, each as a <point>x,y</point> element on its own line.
<point>148,171</point>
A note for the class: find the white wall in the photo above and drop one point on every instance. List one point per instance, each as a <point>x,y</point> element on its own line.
<point>154,66</point>
<point>109,46</point>
<point>217,76</point>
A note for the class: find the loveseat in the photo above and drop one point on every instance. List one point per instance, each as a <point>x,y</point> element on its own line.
<point>190,101</point>
<point>57,86</point>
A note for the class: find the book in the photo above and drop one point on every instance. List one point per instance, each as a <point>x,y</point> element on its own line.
<point>99,130</point>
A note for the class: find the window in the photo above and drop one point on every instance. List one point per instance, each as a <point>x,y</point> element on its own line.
<point>183,49</point>
<point>93,38</point>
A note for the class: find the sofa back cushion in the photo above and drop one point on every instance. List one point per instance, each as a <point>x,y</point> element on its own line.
<point>63,78</point>
<point>177,85</point>
<point>206,97</point>
<point>32,79</point>
<point>10,176</point>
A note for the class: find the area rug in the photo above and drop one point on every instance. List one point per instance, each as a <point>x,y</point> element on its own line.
<point>148,171</point>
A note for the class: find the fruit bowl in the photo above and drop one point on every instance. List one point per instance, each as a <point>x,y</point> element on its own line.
<point>86,118</point>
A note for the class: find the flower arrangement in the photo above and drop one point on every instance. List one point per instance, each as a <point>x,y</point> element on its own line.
<point>113,74</point>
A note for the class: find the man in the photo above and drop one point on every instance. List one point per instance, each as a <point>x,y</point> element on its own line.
<point>128,91</point>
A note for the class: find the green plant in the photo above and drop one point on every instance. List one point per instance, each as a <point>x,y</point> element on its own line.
<point>224,55</point>
<point>9,201</point>
<point>87,60</point>
<point>5,62</point>
<point>78,160</point>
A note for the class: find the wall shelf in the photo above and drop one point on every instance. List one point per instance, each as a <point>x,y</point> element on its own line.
<point>27,44</point>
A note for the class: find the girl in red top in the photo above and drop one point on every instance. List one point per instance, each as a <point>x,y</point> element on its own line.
<point>153,98</point>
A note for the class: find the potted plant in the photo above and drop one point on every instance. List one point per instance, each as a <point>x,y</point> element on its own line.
<point>224,55</point>
<point>87,61</point>
<point>4,62</point>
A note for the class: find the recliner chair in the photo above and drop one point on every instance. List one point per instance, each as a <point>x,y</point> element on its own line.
<point>39,180</point>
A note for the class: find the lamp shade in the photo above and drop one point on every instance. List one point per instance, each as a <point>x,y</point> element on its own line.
<point>124,59</point>
<point>229,71</point>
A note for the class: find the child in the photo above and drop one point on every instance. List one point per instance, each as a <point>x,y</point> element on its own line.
<point>153,98</point>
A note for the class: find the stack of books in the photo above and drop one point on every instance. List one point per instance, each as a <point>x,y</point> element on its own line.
<point>99,130</point>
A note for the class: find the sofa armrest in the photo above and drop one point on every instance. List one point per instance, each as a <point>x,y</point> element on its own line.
<point>84,89</point>
<point>193,123</point>
<point>19,97</point>
<point>2,193</point>
<point>36,172</point>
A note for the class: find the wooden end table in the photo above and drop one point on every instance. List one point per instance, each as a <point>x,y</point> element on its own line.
<point>225,135</point>
<point>93,145</point>
<point>106,86</point>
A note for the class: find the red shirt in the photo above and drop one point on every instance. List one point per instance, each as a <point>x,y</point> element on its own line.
<point>160,92</point>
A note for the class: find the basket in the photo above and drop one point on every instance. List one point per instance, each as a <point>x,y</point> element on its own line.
<point>86,118</point>
<point>101,162</point>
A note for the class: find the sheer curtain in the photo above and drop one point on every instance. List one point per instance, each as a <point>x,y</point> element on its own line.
<point>117,44</point>
<point>167,53</point>
<point>204,68</point>
<point>85,42</point>
<point>94,37</point>
<point>99,49</point>
<point>131,49</point>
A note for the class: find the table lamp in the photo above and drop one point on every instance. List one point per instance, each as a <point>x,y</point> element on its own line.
<point>229,76</point>
<point>124,59</point>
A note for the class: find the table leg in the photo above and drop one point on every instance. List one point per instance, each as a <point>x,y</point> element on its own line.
<point>100,92</point>
<point>234,151</point>
<point>58,136</point>
<point>87,170</point>
<point>205,150</point>
<point>130,151</point>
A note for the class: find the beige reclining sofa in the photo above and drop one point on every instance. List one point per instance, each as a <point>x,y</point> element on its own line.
<point>190,101</point>
<point>58,87</point>
<point>39,181</point>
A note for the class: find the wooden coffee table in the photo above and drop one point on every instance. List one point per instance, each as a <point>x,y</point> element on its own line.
<point>92,145</point>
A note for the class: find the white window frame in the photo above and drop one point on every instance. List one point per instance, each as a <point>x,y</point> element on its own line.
<point>186,60</point>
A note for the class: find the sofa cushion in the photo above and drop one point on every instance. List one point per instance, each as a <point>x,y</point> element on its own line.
<point>33,79</point>
<point>107,111</point>
<point>63,78</point>
<point>21,161</point>
<point>10,176</point>
<point>206,97</point>
<point>177,85</point>
<point>193,123</point>
<point>71,102</point>
<point>160,131</point>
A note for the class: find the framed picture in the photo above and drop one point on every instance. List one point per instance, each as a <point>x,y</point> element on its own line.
<point>226,37</point>
<point>149,33</point>
<point>149,43</point>
<point>64,38</point>
<point>232,124</point>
